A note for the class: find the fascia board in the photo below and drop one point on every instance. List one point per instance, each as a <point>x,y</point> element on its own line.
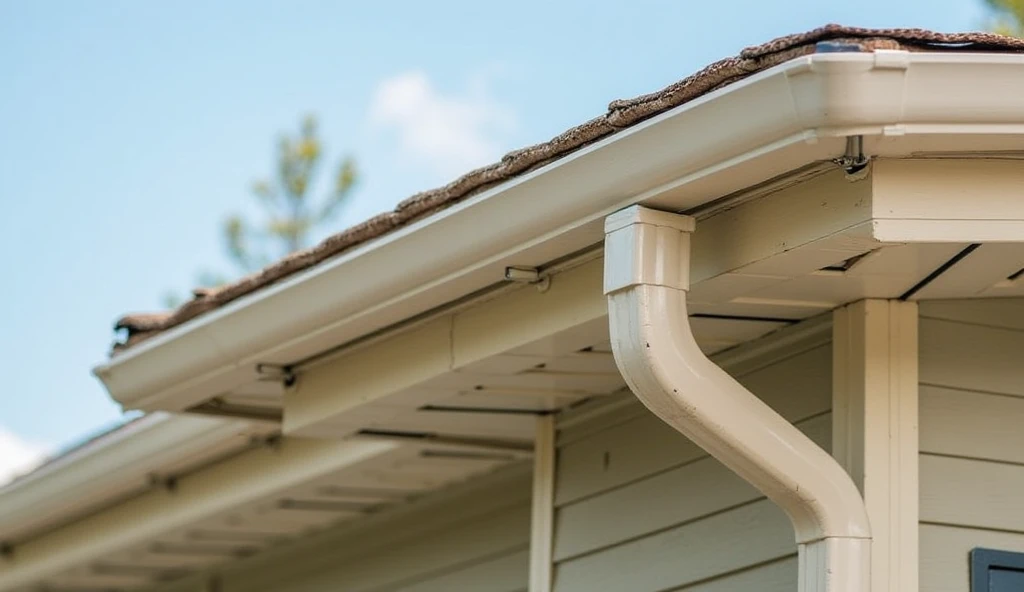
<point>748,132</point>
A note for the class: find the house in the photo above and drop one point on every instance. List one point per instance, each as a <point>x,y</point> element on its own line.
<point>760,330</point>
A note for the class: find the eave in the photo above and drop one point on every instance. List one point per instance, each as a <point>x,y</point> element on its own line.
<point>750,132</point>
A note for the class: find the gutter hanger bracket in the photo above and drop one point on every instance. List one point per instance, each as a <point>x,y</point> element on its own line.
<point>286,374</point>
<point>853,160</point>
<point>528,275</point>
<point>646,280</point>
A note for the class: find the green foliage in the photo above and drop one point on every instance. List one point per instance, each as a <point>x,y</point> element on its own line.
<point>1007,17</point>
<point>290,214</point>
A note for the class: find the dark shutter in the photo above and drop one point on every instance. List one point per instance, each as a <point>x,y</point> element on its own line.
<point>996,571</point>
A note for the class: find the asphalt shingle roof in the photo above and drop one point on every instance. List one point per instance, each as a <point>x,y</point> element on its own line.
<point>621,114</point>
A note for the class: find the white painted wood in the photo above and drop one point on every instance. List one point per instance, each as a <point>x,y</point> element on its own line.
<point>875,408</point>
<point>714,335</point>
<point>526,315</point>
<point>947,231</point>
<point>948,200</point>
<point>456,423</point>
<point>830,291</point>
<point>971,357</point>
<point>567,317</point>
<point>1001,313</point>
<point>974,425</point>
<point>944,554</point>
<point>911,261</point>
<point>976,273</point>
<point>967,492</point>
<point>752,534</point>
<point>385,367</point>
<point>948,189</point>
<point>667,499</point>
<point>777,223</point>
<point>542,516</point>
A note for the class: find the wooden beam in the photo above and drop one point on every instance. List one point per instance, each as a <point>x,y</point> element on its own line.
<point>970,200</point>
<point>875,430</point>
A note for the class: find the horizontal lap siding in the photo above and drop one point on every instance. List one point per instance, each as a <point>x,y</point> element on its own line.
<point>972,435</point>
<point>641,508</point>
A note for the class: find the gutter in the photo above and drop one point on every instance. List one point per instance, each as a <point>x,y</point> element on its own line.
<point>112,467</point>
<point>199,496</point>
<point>749,132</point>
<point>646,279</point>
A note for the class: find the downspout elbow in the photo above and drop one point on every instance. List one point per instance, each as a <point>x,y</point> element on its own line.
<point>646,279</point>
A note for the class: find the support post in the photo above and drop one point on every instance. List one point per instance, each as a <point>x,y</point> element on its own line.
<point>543,511</point>
<point>875,435</point>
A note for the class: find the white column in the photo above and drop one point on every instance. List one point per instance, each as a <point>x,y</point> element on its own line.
<point>543,513</point>
<point>875,429</point>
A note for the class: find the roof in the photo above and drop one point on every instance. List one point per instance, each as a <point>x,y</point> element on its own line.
<point>621,114</point>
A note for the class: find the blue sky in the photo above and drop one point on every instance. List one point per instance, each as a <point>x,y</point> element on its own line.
<point>129,130</point>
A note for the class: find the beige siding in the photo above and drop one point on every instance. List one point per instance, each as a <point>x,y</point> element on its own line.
<point>972,435</point>
<point>640,508</point>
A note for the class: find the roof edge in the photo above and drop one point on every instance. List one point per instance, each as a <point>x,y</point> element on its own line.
<point>621,114</point>
<point>117,463</point>
<point>751,130</point>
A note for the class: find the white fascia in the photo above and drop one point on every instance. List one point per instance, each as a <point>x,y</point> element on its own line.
<point>647,258</point>
<point>746,133</point>
<point>111,467</point>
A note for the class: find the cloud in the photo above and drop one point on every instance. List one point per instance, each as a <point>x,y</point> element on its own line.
<point>18,456</point>
<point>450,133</point>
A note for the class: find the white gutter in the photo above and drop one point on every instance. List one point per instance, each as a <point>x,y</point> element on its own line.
<point>741,135</point>
<point>109,468</point>
<point>198,497</point>
<point>646,280</point>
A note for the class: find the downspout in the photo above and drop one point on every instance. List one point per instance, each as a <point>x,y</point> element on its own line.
<point>647,268</point>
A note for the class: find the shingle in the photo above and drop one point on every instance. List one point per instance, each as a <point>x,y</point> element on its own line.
<point>621,114</point>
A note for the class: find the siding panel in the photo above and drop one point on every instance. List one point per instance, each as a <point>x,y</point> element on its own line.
<point>972,493</point>
<point>971,357</point>
<point>673,497</point>
<point>1003,313</point>
<point>778,576</point>
<point>972,439</point>
<point>716,545</point>
<point>944,554</point>
<point>797,387</point>
<point>976,425</point>
<point>641,508</point>
<point>503,574</point>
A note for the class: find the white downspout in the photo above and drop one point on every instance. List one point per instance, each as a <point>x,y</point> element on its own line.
<point>647,268</point>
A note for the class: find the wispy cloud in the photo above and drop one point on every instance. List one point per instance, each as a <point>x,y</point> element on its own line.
<point>451,133</point>
<point>17,455</point>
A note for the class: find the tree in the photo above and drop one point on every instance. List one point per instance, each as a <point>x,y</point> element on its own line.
<point>1007,17</point>
<point>291,215</point>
